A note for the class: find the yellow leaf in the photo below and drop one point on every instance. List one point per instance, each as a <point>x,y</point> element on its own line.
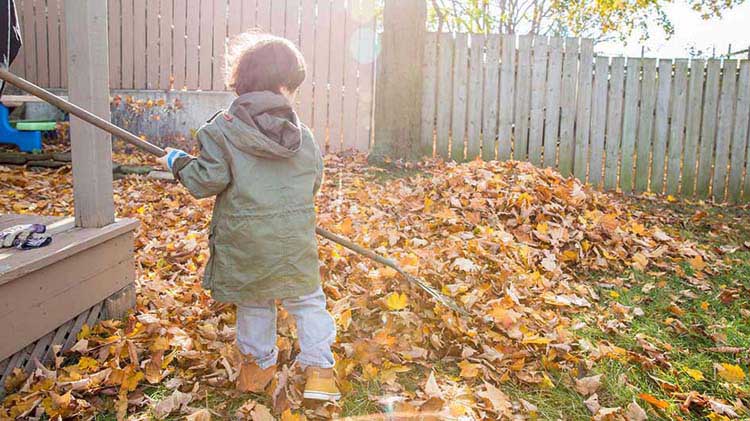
<point>547,383</point>
<point>695,374</point>
<point>654,401</point>
<point>704,305</point>
<point>697,263</point>
<point>536,340</point>
<point>288,415</point>
<point>427,205</point>
<point>716,417</point>
<point>161,343</point>
<point>614,294</point>
<point>468,370</point>
<point>730,372</point>
<point>396,301</point>
<point>542,227</point>
<point>88,364</point>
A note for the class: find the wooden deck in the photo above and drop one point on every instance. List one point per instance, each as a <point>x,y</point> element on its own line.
<point>45,293</point>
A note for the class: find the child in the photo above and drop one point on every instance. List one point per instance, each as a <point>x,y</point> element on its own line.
<point>264,168</point>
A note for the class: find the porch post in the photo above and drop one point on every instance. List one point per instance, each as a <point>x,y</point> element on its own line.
<point>88,87</point>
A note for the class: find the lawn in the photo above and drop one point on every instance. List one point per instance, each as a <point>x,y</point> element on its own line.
<point>582,304</point>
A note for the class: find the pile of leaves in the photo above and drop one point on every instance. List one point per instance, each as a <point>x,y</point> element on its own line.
<point>523,250</point>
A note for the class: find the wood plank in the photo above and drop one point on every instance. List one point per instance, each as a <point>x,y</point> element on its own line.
<point>507,94</point>
<point>78,323</point>
<point>53,43</point>
<point>219,45</point>
<point>322,63</point>
<point>29,41</point>
<point>583,109</point>
<point>614,122</point>
<point>727,103</point>
<point>708,127</point>
<point>307,44</point>
<point>115,43</point>
<point>538,90</point>
<point>368,53</point>
<point>278,17</point>
<point>37,351</point>
<point>598,120</point>
<point>179,44</point>
<point>568,107</point>
<point>629,123</point>
<point>16,361</point>
<point>66,243</point>
<point>490,99</point>
<point>552,113</point>
<point>192,45</point>
<point>460,94</point>
<point>740,135</point>
<point>32,306</point>
<point>205,61</point>
<point>336,77</point>
<point>57,339</point>
<point>249,15</point>
<point>475,97</point>
<point>445,94</point>
<point>661,125</point>
<point>234,25</point>
<point>646,125</point>
<point>429,93</point>
<point>292,30</point>
<point>91,147</point>
<point>166,44</point>
<point>42,46</point>
<point>63,47</point>
<point>153,56</point>
<point>263,13</point>
<point>522,99</point>
<point>677,126</point>
<point>351,69</point>
<point>693,127</point>
<point>139,44</point>
<point>127,44</point>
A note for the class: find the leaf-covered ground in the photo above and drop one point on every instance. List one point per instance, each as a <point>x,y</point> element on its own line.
<point>583,304</point>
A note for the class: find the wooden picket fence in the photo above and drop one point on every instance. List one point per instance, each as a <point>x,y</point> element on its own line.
<point>182,45</point>
<point>634,124</point>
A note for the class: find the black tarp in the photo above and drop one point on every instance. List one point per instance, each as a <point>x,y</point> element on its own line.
<point>10,34</point>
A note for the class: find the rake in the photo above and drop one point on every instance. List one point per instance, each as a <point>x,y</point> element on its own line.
<point>134,140</point>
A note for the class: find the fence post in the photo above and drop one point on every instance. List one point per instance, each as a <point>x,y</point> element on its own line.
<point>398,94</point>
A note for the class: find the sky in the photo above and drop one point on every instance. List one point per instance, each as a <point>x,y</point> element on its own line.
<point>690,30</point>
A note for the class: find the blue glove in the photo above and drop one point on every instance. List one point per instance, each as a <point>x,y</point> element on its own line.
<point>173,155</point>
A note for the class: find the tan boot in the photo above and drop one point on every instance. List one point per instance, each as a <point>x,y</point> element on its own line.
<point>252,378</point>
<point>321,384</point>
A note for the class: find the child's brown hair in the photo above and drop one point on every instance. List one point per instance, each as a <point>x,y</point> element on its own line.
<point>264,62</point>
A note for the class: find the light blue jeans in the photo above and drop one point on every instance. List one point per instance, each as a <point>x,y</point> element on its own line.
<point>256,330</point>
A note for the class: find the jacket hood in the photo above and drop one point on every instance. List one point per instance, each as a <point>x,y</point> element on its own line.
<point>268,127</point>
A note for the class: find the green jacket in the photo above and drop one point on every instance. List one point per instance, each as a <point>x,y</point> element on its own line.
<point>264,168</point>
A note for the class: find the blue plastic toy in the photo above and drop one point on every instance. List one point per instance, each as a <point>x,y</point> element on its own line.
<point>26,141</point>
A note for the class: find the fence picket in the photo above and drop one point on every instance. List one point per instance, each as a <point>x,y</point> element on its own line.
<point>568,107</point>
<point>219,45</point>
<point>127,44</point>
<point>178,43</point>
<point>115,43</point>
<point>165,45</point>
<point>263,14</point>
<point>645,125</point>
<point>278,17</point>
<point>192,45</point>
<point>234,13</point>
<point>139,44</point>
<point>474,113</point>
<point>724,130</point>
<point>336,78</point>
<point>428,94</point>
<point>366,54</point>
<point>536,114</point>
<point>677,126</point>
<point>249,15</point>
<point>693,127</point>
<point>292,21</point>
<point>460,86</point>
<point>740,136</point>
<point>53,39</point>
<point>523,99</point>
<point>29,38</point>
<point>661,125</point>
<point>598,120</point>
<point>490,100</point>
<point>42,47</point>
<point>614,122</point>
<point>552,116</point>
<point>629,123</point>
<point>708,128</point>
<point>152,48</point>
<point>583,109</point>
<point>322,63</point>
<point>507,82</point>
<point>307,45</point>
<point>445,94</point>
<point>351,46</point>
<point>205,65</point>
